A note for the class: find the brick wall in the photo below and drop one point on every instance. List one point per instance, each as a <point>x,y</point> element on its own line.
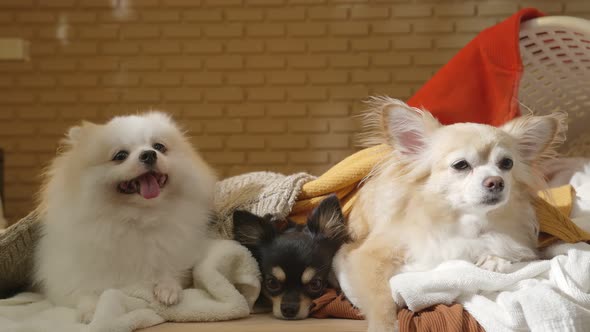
<point>260,84</point>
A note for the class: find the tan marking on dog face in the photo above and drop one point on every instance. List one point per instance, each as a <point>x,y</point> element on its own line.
<point>278,273</point>
<point>307,275</point>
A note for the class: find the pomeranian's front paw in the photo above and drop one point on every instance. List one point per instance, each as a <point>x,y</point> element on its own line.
<point>168,292</point>
<point>494,264</point>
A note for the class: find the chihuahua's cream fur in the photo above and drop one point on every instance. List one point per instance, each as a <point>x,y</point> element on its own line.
<point>432,200</point>
<point>96,237</point>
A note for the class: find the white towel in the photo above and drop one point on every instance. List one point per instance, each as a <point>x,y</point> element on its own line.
<point>547,295</point>
<point>226,285</point>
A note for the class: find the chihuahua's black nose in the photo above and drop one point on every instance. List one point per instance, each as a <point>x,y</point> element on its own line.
<point>289,310</point>
<point>494,184</point>
<point>148,157</point>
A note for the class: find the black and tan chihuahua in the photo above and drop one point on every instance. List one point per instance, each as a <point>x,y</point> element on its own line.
<point>295,263</point>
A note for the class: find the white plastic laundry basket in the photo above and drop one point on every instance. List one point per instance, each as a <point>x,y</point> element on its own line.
<point>555,52</point>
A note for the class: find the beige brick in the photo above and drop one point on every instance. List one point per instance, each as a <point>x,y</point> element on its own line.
<point>110,16</point>
<point>456,41</point>
<point>401,90</point>
<point>245,46</point>
<point>371,76</point>
<point>311,125</point>
<point>282,110</point>
<point>202,47</point>
<point>413,10</point>
<point>225,62</point>
<point>244,15</point>
<point>350,92</point>
<point>328,45</point>
<point>182,62</point>
<point>76,112</point>
<point>102,96</point>
<point>431,26</point>
<point>329,141</point>
<point>181,31</point>
<point>182,95</point>
<point>328,109</point>
<point>408,43</point>
<point>79,80</point>
<point>58,97</point>
<point>161,79</point>
<point>350,1</point>
<point>412,75</point>
<point>392,60</point>
<point>16,97</point>
<point>266,30</point>
<point>496,8</point>
<point>140,63</point>
<point>99,32</point>
<point>160,16</point>
<point>202,15</point>
<point>16,129</point>
<point>140,31</point>
<point>329,77</point>
<point>474,24</point>
<point>212,143</point>
<point>146,4</point>
<point>266,94</point>
<point>231,30</point>
<point>345,125</point>
<point>82,48</point>
<point>205,111</point>
<point>265,2</point>
<point>249,110</point>
<point>308,61</point>
<point>349,28</point>
<point>81,17</point>
<point>245,142</point>
<point>203,79</point>
<point>454,9</point>
<point>371,44</point>
<point>36,17</point>
<point>223,3</point>
<point>20,32</point>
<point>42,49</point>
<point>370,13</point>
<point>225,158</point>
<point>20,160</point>
<point>577,7</point>
<point>16,3</point>
<point>308,93</point>
<point>267,158</point>
<point>179,3</point>
<point>286,46</point>
<point>288,142</point>
<point>6,17</point>
<point>265,62</point>
<point>266,126</point>
<point>229,94</point>
<point>286,14</point>
<point>6,81</point>
<point>430,58</point>
<point>286,78</point>
<point>224,126</point>
<point>95,4</point>
<point>328,13</point>
<point>120,48</point>
<point>306,29</point>
<point>141,95</point>
<point>308,157</point>
<point>57,4</point>
<point>36,81</point>
<point>161,47</point>
<point>245,78</point>
<point>349,60</point>
<point>103,63</point>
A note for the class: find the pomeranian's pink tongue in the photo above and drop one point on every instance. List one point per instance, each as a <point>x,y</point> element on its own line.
<point>148,186</point>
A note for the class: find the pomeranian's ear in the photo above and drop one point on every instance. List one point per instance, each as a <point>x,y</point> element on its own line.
<point>75,133</point>
<point>538,137</point>
<point>251,230</point>
<point>327,220</point>
<point>399,125</point>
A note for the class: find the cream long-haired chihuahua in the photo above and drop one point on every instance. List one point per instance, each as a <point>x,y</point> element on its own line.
<point>126,203</point>
<point>462,191</point>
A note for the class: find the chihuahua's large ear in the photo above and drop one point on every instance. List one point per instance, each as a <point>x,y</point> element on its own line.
<point>404,127</point>
<point>250,229</point>
<point>538,137</point>
<point>327,220</point>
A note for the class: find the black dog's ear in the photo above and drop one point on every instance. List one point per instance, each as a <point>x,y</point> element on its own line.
<point>327,220</point>
<point>250,229</point>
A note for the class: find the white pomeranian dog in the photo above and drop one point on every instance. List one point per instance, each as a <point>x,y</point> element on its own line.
<point>125,203</point>
<point>463,191</point>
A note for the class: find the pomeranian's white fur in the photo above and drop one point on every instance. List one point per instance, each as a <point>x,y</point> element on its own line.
<point>417,210</point>
<point>96,238</point>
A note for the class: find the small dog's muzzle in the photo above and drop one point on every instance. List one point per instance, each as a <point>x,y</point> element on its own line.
<point>494,184</point>
<point>148,157</point>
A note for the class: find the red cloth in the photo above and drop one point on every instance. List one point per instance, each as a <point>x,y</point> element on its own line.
<point>480,83</point>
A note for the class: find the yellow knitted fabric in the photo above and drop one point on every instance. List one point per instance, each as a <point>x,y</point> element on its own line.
<point>345,178</point>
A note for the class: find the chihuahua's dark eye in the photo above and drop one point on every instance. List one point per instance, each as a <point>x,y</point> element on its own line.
<point>506,164</point>
<point>460,165</point>
<point>272,284</point>
<point>315,285</point>
<point>160,147</point>
<point>121,155</point>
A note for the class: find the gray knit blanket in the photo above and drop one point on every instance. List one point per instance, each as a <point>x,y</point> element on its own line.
<point>260,193</point>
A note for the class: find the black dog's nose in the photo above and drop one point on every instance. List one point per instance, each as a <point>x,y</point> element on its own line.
<point>289,310</point>
<point>494,184</point>
<point>148,157</point>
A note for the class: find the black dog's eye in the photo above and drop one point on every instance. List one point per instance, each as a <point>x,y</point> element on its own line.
<point>160,147</point>
<point>315,285</point>
<point>121,155</point>
<point>506,164</point>
<point>460,165</point>
<point>272,284</point>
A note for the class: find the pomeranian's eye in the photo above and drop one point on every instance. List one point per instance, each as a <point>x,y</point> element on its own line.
<point>460,165</point>
<point>272,284</point>
<point>160,147</point>
<point>506,164</point>
<point>315,285</point>
<point>121,155</point>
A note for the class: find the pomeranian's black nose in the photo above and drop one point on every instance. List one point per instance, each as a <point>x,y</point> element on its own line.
<point>494,184</point>
<point>289,310</point>
<point>148,157</point>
